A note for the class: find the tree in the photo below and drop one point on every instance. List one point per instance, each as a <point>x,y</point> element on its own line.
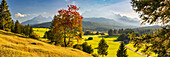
<point>87,48</point>
<point>17,27</point>
<point>31,30</point>
<point>102,48</point>
<point>12,26</point>
<point>45,35</point>
<point>122,51</point>
<point>122,37</point>
<point>153,12</point>
<point>68,23</point>
<point>110,32</point>
<point>115,31</point>
<point>5,16</point>
<point>97,33</point>
<point>120,31</point>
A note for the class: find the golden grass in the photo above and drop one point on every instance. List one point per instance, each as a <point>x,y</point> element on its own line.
<point>14,45</point>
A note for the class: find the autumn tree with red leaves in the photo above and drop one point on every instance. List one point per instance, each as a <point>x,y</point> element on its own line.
<point>67,24</point>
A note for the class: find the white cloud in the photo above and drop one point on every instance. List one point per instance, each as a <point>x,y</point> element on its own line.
<point>20,15</point>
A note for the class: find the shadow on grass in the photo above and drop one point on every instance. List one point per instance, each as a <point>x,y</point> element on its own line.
<point>13,34</point>
<point>96,48</point>
<point>86,40</point>
<point>107,36</point>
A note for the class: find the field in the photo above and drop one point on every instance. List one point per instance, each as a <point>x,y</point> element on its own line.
<point>16,45</point>
<point>113,45</point>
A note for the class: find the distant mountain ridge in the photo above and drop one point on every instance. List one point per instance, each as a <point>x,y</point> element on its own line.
<point>37,20</point>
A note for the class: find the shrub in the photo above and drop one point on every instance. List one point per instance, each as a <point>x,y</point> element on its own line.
<point>78,46</point>
<point>95,55</point>
<point>35,36</point>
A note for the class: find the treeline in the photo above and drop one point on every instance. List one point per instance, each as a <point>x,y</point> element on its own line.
<point>7,24</point>
<point>91,33</point>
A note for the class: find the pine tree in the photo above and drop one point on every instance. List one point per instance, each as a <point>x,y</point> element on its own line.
<point>5,16</point>
<point>103,48</point>
<point>17,27</point>
<point>12,26</point>
<point>122,51</point>
<point>31,30</point>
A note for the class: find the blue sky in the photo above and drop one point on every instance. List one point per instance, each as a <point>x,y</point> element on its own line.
<point>26,9</point>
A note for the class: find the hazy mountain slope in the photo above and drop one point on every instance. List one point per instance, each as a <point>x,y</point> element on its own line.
<point>37,20</point>
<point>87,25</point>
<point>104,21</point>
<point>15,45</point>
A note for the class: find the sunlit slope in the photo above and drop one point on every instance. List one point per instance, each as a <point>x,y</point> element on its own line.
<point>13,45</point>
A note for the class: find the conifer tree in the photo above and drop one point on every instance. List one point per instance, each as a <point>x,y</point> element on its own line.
<point>12,26</point>
<point>5,16</point>
<point>17,27</point>
<point>31,30</point>
<point>122,51</point>
<point>103,48</point>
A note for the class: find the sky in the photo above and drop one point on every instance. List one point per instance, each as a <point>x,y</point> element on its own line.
<point>27,9</point>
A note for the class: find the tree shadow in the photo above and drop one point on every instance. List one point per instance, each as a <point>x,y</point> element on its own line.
<point>6,33</point>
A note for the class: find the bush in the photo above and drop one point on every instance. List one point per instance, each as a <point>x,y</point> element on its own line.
<point>95,55</point>
<point>35,36</point>
<point>78,46</point>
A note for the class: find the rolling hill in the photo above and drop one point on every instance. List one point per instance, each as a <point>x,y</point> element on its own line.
<point>16,45</point>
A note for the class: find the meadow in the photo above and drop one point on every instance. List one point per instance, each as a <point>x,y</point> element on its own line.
<point>17,45</point>
<point>111,41</point>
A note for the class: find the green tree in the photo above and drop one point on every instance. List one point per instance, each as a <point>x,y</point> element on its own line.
<point>153,12</point>
<point>12,26</point>
<point>87,48</point>
<point>31,30</point>
<point>122,51</point>
<point>97,33</point>
<point>110,32</point>
<point>17,27</point>
<point>45,34</point>
<point>102,48</point>
<point>115,31</point>
<point>122,37</point>
<point>5,16</point>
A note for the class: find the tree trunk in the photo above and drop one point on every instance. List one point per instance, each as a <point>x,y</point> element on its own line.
<point>65,45</point>
<point>3,27</point>
<point>68,41</point>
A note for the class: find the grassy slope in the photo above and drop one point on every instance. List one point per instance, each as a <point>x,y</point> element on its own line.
<point>113,46</point>
<point>15,45</point>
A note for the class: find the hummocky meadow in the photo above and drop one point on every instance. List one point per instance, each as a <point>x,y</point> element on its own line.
<point>107,28</point>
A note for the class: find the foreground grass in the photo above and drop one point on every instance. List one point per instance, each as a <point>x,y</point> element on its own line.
<point>15,45</point>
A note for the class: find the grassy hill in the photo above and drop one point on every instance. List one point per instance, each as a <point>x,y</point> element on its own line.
<point>16,45</point>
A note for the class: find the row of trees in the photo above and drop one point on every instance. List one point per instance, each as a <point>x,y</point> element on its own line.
<point>7,24</point>
<point>115,31</point>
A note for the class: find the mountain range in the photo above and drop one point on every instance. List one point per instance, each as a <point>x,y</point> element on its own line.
<point>37,20</point>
